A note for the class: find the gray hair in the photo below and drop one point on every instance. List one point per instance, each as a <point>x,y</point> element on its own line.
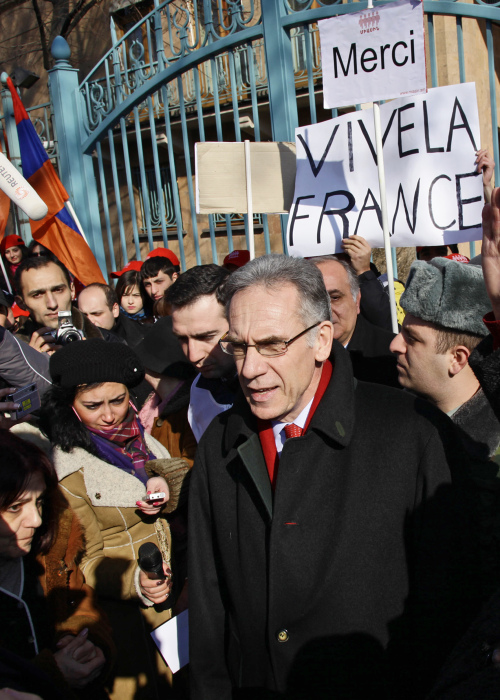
<point>274,271</point>
<point>351,274</point>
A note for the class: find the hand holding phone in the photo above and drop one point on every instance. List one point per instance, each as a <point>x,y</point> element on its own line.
<point>156,497</point>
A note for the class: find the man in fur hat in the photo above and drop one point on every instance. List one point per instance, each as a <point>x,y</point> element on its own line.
<point>445,302</point>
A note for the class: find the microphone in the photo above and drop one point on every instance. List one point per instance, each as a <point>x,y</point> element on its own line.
<point>150,560</point>
<point>19,190</point>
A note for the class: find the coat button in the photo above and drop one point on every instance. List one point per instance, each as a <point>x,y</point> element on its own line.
<point>98,495</point>
<point>159,422</point>
<point>31,640</point>
<point>282,636</point>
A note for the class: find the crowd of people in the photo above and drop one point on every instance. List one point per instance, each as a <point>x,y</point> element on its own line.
<point>329,489</point>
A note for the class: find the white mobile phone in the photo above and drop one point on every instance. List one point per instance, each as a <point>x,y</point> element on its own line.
<point>155,496</point>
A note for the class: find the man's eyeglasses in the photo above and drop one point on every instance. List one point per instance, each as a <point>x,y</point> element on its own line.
<point>272,348</point>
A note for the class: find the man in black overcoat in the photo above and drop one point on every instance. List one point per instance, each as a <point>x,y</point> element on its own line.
<point>320,563</point>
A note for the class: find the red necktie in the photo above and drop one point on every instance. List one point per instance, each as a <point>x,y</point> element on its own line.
<point>292,431</point>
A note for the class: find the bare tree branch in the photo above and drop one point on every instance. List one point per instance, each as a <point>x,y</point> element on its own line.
<point>8,5</point>
<point>76,15</point>
<point>43,36</point>
<point>45,20</point>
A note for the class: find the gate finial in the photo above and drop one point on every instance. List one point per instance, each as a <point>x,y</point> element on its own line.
<point>60,49</point>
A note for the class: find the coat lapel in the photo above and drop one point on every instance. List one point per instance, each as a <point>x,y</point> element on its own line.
<point>253,458</point>
<point>241,434</point>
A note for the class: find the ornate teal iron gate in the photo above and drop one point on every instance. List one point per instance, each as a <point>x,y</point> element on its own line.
<point>218,70</point>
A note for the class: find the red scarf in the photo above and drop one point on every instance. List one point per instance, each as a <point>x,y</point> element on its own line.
<point>128,438</point>
<point>265,427</point>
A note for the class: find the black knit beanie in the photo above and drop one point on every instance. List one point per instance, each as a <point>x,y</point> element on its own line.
<point>94,361</point>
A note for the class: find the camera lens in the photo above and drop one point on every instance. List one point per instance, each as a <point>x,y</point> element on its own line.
<point>69,336</point>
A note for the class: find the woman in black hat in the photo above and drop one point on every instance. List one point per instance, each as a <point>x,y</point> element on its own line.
<point>106,464</point>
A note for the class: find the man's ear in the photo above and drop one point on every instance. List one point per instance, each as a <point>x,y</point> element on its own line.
<point>20,303</point>
<point>115,310</point>
<point>358,302</point>
<point>323,342</point>
<point>72,290</point>
<point>175,276</point>
<point>459,360</point>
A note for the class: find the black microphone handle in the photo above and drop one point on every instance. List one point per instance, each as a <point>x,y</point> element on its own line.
<point>150,561</point>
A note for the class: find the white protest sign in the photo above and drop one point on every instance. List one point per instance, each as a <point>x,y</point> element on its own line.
<point>434,195</point>
<point>374,54</point>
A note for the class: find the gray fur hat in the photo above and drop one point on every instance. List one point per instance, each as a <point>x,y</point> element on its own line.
<point>449,293</point>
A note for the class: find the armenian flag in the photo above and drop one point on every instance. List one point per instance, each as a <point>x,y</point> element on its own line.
<point>57,231</point>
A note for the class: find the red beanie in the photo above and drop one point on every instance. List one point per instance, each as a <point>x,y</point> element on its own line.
<point>163,253</point>
<point>10,242</point>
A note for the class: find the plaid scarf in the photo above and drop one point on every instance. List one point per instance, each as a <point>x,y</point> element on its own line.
<point>128,439</point>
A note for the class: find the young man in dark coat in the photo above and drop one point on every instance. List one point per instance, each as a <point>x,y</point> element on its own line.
<point>320,563</point>
<point>445,302</point>
<point>44,289</point>
<point>198,322</point>
<point>473,669</point>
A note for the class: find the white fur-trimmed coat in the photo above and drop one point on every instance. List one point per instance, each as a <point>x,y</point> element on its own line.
<point>104,499</point>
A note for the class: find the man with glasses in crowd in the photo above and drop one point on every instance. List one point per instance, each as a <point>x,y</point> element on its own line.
<point>321,523</point>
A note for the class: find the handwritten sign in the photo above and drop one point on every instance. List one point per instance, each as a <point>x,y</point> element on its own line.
<point>373,54</point>
<point>434,195</point>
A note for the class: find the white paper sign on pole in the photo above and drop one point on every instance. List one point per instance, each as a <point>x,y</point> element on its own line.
<point>434,195</point>
<point>221,177</point>
<point>373,54</point>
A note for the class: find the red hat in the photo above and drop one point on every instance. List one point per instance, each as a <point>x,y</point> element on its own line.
<point>237,258</point>
<point>17,311</point>
<point>132,265</point>
<point>163,253</point>
<point>10,242</point>
<point>458,257</point>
